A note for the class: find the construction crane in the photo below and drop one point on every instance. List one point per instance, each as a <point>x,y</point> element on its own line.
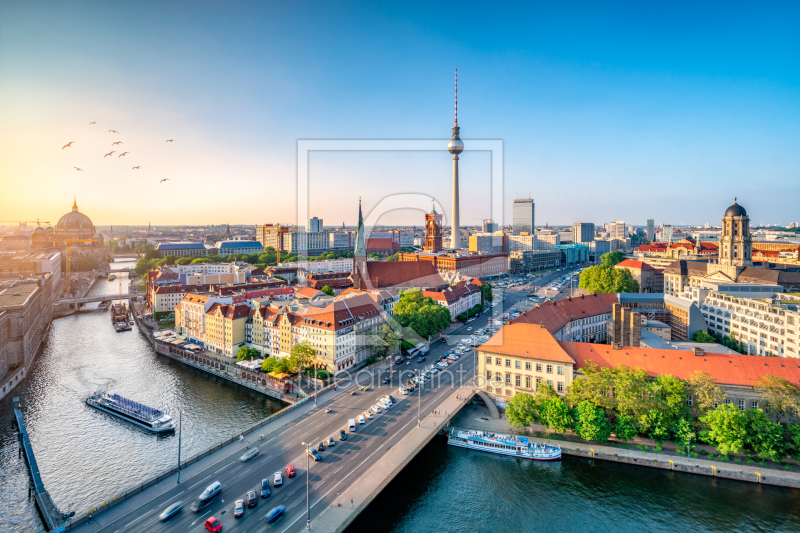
<point>37,222</point>
<point>68,244</point>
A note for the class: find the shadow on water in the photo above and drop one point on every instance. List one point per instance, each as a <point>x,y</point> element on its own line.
<point>446,489</point>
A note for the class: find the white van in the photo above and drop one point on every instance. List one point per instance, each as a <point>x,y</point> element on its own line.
<point>352,425</point>
<point>211,491</point>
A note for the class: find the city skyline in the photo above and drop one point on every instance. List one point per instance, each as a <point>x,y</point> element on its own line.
<point>694,109</point>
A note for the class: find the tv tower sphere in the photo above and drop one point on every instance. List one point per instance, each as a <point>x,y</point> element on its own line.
<point>456,145</point>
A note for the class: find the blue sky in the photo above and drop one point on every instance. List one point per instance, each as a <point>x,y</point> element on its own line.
<point>606,111</point>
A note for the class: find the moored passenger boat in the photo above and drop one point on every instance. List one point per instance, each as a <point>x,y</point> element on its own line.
<point>504,445</point>
<point>133,412</point>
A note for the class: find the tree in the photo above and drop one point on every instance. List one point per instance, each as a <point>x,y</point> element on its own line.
<point>764,437</point>
<point>727,427</point>
<point>169,260</point>
<point>606,278</point>
<point>198,260</point>
<point>486,293</point>
<point>612,258</point>
<point>303,355</point>
<point>421,313</point>
<point>595,387</point>
<point>184,260</point>
<point>522,410</point>
<point>668,395</point>
<point>781,395</point>
<point>327,290</point>
<point>702,336</point>
<point>705,393</point>
<point>793,431</point>
<point>591,423</point>
<point>625,428</point>
<point>382,340</point>
<point>245,352</point>
<point>555,414</point>
<point>630,391</point>
<point>684,432</point>
<point>393,257</point>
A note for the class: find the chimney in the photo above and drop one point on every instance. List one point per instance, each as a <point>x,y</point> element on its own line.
<point>615,346</point>
<point>698,352</point>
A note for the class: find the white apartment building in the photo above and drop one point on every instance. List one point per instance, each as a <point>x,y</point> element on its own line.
<point>341,240</point>
<point>205,268</point>
<point>305,242</point>
<point>547,240</point>
<point>767,325</point>
<point>322,267</point>
<point>522,243</point>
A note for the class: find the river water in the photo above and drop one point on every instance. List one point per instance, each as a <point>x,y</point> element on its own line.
<point>86,456</point>
<point>446,489</point>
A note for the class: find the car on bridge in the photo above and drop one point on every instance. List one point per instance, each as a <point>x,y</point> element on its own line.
<point>265,492</point>
<point>238,508</point>
<point>170,511</point>
<point>213,525</point>
<point>252,499</point>
<point>277,481</point>
<point>290,471</point>
<point>275,513</point>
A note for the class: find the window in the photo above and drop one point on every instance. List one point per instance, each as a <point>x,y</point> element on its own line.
<point>517,364</point>
<point>754,404</point>
<point>560,370</point>
<point>498,361</point>
<point>488,375</point>
<point>508,363</point>
<point>741,405</point>
<point>538,367</point>
<point>727,401</point>
<point>488,359</point>
<point>517,380</point>
<point>498,377</point>
<point>560,387</point>
<point>550,382</point>
<point>508,378</point>
<point>549,369</point>
<point>689,400</point>
<point>527,366</point>
<point>527,382</point>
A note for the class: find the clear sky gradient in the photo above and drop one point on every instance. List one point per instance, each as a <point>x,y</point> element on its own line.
<point>606,111</point>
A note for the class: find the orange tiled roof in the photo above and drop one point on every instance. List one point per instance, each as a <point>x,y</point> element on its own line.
<point>555,315</point>
<point>231,312</point>
<point>726,369</point>
<point>531,341</point>
<point>628,263</point>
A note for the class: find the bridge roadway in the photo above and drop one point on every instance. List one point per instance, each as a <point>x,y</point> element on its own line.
<point>341,467</point>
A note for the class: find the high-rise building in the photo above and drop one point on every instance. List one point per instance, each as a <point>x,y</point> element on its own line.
<point>272,235</point>
<point>582,232</point>
<point>617,230</point>
<point>489,226</point>
<point>523,213</point>
<point>667,232</point>
<point>455,147</point>
<point>314,225</point>
<point>651,229</point>
<point>433,231</point>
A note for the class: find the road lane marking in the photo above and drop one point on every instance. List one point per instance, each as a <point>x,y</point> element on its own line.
<point>193,486</point>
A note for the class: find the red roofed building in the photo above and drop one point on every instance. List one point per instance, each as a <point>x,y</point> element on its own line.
<point>225,328</point>
<point>382,246</point>
<point>459,298</point>
<point>581,318</point>
<point>649,279</point>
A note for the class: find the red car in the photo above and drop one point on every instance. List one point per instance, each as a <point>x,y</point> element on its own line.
<point>290,471</point>
<point>213,525</point>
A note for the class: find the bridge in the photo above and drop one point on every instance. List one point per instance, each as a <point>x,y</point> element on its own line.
<point>126,270</point>
<point>89,299</point>
<point>349,476</point>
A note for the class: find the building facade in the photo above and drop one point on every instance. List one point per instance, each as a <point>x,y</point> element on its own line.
<point>523,216</point>
<point>433,232</point>
<point>582,232</point>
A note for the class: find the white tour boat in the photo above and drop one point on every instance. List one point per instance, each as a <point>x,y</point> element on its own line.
<point>504,445</point>
<point>133,412</point>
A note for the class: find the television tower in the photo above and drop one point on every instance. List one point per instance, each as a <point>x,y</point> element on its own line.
<point>455,147</point>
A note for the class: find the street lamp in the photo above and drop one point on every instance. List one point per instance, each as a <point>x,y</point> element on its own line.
<point>419,395</point>
<point>308,466</point>
<point>180,434</point>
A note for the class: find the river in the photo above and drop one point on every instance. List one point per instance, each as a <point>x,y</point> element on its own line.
<point>446,489</point>
<point>87,456</point>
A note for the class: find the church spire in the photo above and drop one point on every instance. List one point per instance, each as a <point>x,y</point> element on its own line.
<point>361,247</point>
<point>75,203</point>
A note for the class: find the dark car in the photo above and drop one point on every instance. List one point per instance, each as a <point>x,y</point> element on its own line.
<point>321,446</point>
<point>251,499</point>
<point>265,488</point>
<point>420,359</point>
<point>315,454</point>
<point>342,434</point>
<point>274,514</point>
<point>386,381</point>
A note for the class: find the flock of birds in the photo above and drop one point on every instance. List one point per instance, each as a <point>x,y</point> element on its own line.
<point>115,143</point>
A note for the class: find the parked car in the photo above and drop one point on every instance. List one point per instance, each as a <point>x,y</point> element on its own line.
<point>213,525</point>
<point>314,454</point>
<point>290,471</point>
<point>265,492</point>
<point>342,434</point>
<point>238,508</point>
<point>277,480</point>
<point>376,409</point>
<point>361,419</point>
<point>331,442</point>
<point>386,381</point>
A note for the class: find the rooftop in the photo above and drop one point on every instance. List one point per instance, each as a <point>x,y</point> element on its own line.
<point>557,314</point>
<point>18,294</point>
<point>531,341</point>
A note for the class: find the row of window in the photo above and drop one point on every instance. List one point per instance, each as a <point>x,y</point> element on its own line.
<point>498,377</point>
<point>528,365</point>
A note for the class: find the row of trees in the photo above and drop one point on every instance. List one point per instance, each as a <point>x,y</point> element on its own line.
<point>604,278</point>
<point>303,356</point>
<point>628,403</point>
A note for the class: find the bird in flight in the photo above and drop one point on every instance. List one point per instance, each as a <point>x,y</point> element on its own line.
<point>165,179</point>
<point>169,140</point>
<point>123,153</point>
<point>92,123</point>
<point>76,168</point>
<point>118,142</point>
<point>134,168</point>
<point>68,145</point>
<point>113,131</point>
<point>108,154</point>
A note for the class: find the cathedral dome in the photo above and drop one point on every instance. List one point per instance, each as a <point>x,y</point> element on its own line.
<point>75,221</point>
<point>38,231</point>
<point>735,211</point>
